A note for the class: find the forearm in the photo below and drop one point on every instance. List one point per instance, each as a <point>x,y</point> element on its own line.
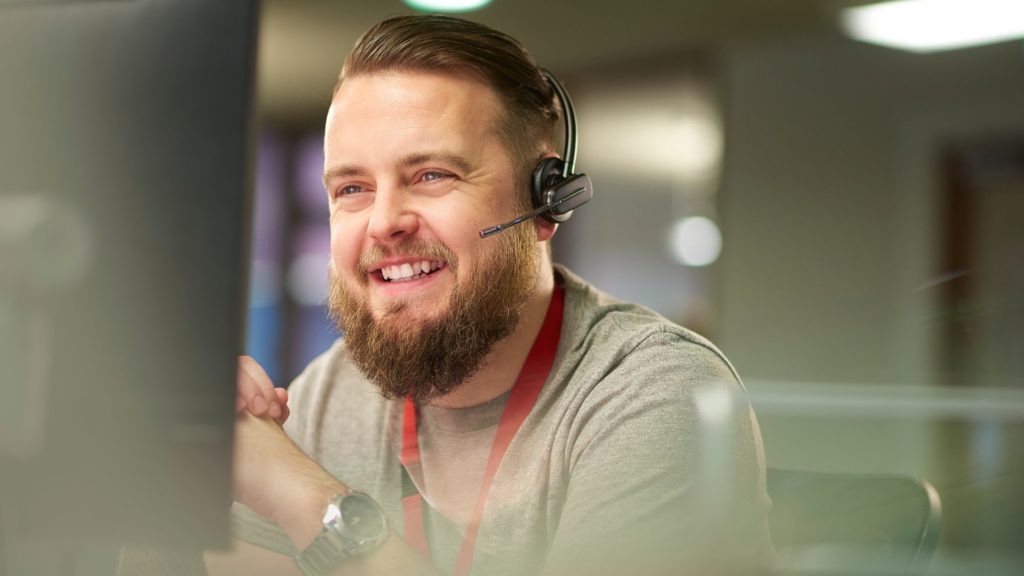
<point>291,489</point>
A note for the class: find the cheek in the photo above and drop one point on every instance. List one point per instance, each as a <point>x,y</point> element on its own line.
<point>344,246</point>
<point>460,222</point>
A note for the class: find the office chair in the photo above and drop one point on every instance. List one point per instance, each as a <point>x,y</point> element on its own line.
<point>826,523</point>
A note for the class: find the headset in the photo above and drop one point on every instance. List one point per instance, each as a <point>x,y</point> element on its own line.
<point>555,187</point>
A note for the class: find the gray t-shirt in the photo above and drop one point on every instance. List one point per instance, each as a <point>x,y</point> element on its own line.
<point>615,463</point>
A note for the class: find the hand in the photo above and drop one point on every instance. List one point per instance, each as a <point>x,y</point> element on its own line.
<point>257,394</point>
<point>273,477</point>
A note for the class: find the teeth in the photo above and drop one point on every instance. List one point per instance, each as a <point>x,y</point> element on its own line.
<point>409,270</point>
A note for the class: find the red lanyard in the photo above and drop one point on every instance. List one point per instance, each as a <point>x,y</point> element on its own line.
<point>520,401</point>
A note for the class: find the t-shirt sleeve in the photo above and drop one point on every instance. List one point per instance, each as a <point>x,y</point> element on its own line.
<point>256,529</point>
<point>666,471</point>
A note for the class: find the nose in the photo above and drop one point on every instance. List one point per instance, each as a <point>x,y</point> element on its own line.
<point>392,217</point>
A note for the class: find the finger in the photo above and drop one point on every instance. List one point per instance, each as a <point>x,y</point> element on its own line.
<point>274,409</point>
<point>255,388</point>
<point>247,391</point>
<point>282,399</point>
<point>247,387</point>
<point>282,395</point>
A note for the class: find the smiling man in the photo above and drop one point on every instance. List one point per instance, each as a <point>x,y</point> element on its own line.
<point>423,300</point>
<point>486,412</point>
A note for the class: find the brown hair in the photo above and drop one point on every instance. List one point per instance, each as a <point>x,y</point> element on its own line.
<point>433,43</point>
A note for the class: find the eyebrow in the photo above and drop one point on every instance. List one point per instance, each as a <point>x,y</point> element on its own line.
<point>416,158</point>
<point>343,171</point>
<point>451,158</point>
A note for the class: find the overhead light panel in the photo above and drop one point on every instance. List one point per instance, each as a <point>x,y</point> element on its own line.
<point>934,25</point>
<point>695,241</point>
<point>447,5</point>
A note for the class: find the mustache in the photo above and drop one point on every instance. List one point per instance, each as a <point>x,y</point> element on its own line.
<point>409,248</point>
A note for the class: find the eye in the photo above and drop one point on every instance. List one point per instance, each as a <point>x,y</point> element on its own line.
<point>349,190</point>
<point>434,176</point>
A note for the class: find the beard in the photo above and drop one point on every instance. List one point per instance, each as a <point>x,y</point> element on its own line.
<point>426,360</point>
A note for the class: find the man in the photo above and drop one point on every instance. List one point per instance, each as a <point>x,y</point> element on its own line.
<point>500,415</point>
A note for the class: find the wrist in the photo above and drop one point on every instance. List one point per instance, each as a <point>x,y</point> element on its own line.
<point>301,503</point>
<point>353,525</point>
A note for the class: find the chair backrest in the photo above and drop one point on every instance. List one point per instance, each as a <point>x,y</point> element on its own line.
<point>867,522</point>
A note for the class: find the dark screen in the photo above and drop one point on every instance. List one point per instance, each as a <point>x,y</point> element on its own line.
<point>124,193</point>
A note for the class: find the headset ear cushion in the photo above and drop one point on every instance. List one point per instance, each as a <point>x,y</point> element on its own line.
<point>547,173</point>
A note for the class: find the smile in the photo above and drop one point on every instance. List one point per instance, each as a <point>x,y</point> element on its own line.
<point>409,270</point>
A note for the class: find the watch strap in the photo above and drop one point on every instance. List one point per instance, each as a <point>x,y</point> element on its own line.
<point>325,552</point>
<point>336,541</point>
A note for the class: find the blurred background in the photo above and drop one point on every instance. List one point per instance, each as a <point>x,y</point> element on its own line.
<point>842,218</point>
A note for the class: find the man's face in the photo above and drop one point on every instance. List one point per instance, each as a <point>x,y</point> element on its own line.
<point>414,168</point>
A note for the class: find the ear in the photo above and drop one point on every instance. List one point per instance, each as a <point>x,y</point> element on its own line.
<point>545,229</point>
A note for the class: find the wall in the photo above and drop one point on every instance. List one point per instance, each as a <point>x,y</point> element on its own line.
<point>832,272</point>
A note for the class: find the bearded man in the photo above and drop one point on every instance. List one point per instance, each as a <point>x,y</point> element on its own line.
<point>486,412</point>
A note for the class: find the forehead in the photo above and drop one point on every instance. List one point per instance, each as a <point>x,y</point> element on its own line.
<point>379,109</point>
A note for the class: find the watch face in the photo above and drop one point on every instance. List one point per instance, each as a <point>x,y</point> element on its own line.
<point>362,517</point>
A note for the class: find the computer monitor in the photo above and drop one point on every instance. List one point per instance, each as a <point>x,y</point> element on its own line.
<point>125,132</point>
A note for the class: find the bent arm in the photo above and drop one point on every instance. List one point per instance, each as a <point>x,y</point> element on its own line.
<point>276,479</point>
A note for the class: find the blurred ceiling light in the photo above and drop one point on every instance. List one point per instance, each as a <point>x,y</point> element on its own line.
<point>698,139</point>
<point>933,25</point>
<point>446,5</point>
<point>670,131</point>
<point>695,241</point>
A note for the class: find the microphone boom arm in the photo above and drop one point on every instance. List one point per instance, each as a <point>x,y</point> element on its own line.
<point>531,214</point>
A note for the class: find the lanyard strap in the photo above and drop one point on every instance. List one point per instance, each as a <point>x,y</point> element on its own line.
<point>520,402</point>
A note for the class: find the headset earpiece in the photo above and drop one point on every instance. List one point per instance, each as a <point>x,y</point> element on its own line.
<point>545,175</point>
<point>561,195</point>
<point>555,183</point>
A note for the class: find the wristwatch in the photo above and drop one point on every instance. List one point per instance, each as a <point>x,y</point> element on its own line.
<point>353,524</point>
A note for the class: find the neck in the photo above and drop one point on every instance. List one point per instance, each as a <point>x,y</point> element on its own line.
<point>503,363</point>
